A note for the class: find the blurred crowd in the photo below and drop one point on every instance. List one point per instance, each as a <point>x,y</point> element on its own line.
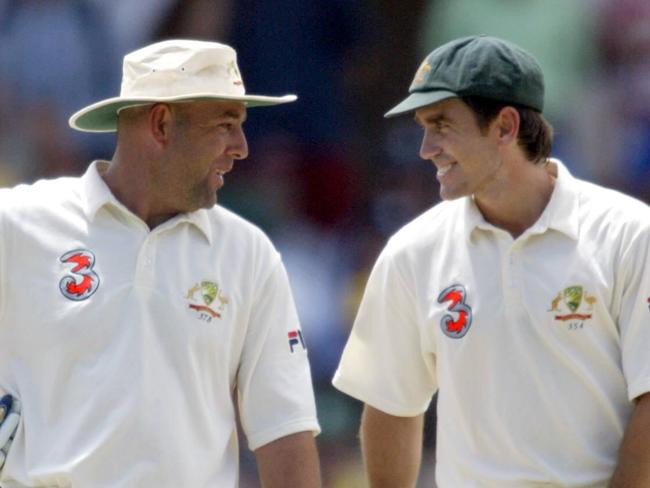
<point>328,178</point>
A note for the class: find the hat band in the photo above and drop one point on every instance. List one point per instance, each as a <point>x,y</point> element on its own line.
<point>166,84</point>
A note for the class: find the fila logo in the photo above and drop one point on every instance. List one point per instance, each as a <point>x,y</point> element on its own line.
<point>295,340</point>
<point>82,281</point>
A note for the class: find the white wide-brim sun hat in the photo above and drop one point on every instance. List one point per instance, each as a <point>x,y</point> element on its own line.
<point>173,71</point>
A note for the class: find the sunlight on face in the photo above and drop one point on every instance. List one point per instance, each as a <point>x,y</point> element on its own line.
<point>207,138</point>
<point>466,159</point>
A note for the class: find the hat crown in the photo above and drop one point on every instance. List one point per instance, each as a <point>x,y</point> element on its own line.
<point>483,66</point>
<point>181,67</point>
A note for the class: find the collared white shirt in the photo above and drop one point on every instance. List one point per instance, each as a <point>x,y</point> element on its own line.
<point>537,344</point>
<point>127,345</point>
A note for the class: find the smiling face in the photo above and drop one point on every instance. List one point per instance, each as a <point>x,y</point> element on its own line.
<point>206,139</point>
<point>467,160</point>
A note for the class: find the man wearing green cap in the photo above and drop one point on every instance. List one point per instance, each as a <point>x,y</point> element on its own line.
<point>141,322</point>
<point>522,299</point>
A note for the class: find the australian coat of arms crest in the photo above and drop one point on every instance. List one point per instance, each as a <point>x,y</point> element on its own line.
<point>207,299</point>
<point>573,303</point>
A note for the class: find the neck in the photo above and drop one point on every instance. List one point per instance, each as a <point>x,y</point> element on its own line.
<point>521,197</point>
<point>132,183</point>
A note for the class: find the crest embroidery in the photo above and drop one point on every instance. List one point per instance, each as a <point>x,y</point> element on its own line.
<point>202,295</point>
<point>573,305</point>
<point>422,71</point>
<point>234,72</point>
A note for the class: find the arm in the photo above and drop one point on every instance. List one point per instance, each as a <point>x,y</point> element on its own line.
<point>289,461</point>
<point>276,399</point>
<point>633,469</point>
<point>392,448</point>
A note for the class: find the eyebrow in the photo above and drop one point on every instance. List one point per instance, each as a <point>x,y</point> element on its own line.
<point>433,119</point>
<point>232,114</point>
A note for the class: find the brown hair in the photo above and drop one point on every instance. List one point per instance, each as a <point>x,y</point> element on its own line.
<point>535,133</point>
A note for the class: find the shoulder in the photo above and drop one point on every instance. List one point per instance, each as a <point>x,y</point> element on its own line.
<point>611,209</point>
<point>442,223</point>
<point>241,236</point>
<point>47,196</point>
<point>612,222</point>
<point>233,224</point>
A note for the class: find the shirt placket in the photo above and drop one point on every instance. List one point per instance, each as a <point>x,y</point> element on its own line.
<point>146,261</point>
<point>512,278</point>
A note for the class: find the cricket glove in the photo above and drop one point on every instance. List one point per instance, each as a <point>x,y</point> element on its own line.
<point>9,418</point>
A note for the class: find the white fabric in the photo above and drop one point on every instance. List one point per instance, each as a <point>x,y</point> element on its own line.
<point>176,70</point>
<point>132,387</point>
<point>180,67</point>
<point>534,393</point>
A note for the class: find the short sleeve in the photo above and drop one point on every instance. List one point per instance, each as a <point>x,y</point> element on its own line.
<point>276,397</point>
<point>384,363</point>
<point>634,317</point>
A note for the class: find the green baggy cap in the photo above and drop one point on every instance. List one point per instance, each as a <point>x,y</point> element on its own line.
<point>480,66</point>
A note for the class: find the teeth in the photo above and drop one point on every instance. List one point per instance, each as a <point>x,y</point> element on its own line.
<point>443,171</point>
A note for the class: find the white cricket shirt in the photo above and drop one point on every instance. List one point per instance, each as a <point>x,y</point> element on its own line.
<point>536,344</point>
<point>127,346</point>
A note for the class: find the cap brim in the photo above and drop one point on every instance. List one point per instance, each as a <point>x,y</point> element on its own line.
<point>418,100</point>
<point>102,116</point>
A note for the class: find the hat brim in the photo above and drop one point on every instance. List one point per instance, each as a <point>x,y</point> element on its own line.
<point>418,100</point>
<point>102,116</point>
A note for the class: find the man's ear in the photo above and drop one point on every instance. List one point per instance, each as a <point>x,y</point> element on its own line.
<point>507,125</point>
<point>160,122</point>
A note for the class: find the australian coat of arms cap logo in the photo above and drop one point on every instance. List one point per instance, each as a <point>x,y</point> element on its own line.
<point>421,73</point>
<point>207,299</point>
<point>233,71</point>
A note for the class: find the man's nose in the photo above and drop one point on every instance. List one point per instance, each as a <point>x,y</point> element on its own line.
<point>239,146</point>
<point>430,146</point>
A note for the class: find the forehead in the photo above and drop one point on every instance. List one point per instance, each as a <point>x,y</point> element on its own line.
<point>214,109</point>
<point>450,108</point>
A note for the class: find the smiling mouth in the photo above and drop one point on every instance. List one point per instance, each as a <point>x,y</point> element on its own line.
<point>222,172</point>
<point>443,170</point>
<point>219,179</point>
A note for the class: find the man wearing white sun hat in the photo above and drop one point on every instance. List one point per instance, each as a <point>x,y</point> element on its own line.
<point>137,313</point>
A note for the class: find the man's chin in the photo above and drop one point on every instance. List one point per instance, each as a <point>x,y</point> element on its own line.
<point>450,195</point>
<point>208,201</point>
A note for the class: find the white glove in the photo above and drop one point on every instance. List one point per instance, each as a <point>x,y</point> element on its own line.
<point>9,418</point>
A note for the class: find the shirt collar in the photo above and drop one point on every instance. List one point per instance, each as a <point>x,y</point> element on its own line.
<point>560,214</point>
<point>97,194</point>
<point>200,219</point>
<point>562,211</point>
